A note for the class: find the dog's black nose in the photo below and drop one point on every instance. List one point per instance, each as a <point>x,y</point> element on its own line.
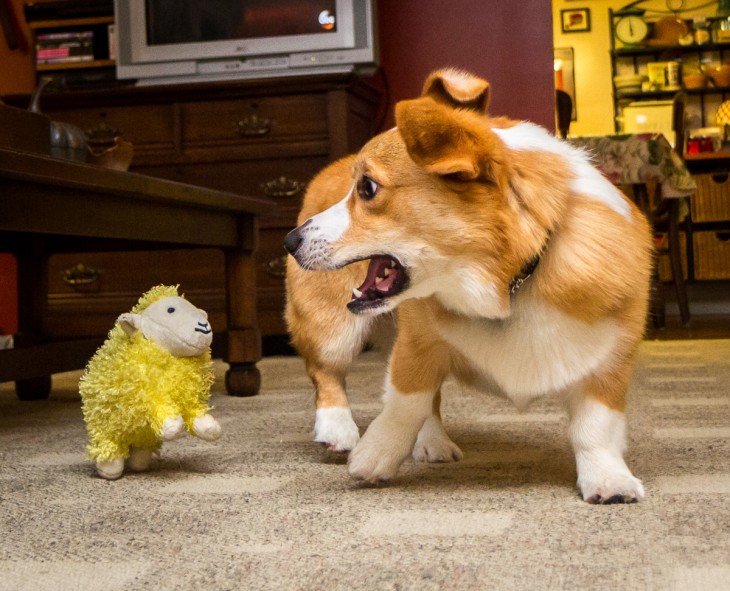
<point>292,241</point>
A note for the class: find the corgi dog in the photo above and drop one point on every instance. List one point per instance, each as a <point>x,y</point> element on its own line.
<point>513,264</point>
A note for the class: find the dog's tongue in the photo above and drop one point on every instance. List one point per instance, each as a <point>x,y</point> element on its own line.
<point>381,275</point>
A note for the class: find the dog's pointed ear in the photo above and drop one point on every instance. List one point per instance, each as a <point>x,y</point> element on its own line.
<point>458,90</point>
<point>446,141</point>
<point>434,139</point>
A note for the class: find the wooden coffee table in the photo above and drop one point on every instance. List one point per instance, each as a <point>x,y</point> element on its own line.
<point>49,206</point>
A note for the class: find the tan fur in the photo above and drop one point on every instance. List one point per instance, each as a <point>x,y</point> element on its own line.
<point>316,300</point>
<point>453,196</point>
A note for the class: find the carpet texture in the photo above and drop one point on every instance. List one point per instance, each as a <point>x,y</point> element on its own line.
<point>265,508</point>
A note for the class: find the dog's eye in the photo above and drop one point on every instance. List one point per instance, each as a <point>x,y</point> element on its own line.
<point>367,188</point>
<point>170,310</point>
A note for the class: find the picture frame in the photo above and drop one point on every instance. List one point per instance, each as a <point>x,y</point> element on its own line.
<point>575,20</point>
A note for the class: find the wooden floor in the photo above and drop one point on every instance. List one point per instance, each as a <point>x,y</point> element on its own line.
<point>699,327</point>
<point>709,313</point>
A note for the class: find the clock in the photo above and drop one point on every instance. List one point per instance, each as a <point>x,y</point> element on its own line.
<point>631,29</point>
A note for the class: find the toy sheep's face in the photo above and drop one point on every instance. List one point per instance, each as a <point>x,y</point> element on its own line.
<point>172,323</point>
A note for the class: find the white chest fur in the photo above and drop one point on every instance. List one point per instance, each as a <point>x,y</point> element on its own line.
<point>536,351</point>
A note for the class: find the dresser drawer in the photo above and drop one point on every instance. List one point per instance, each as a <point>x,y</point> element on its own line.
<point>283,180</point>
<point>135,272</point>
<point>88,291</point>
<point>149,128</point>
<point>253,121</point>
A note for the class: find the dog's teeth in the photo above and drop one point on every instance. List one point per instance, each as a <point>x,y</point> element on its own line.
<point>392,264</point>
<point>379,280</point>
<point>356,292</point>
<point>386,272</point>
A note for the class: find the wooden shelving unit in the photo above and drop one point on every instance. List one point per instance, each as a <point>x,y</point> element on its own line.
<point>102,66</point>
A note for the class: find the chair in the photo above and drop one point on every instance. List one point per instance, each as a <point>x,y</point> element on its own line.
<point>564,111</point>
<point>663,215</point>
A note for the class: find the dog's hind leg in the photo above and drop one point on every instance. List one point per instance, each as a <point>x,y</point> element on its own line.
<point>433,443</point>
<point>328,337</point>
<point>334,426</point>
<point>598,434</point>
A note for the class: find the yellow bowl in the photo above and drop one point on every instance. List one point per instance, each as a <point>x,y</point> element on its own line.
<point>720,75</point>
<point>694,80</point>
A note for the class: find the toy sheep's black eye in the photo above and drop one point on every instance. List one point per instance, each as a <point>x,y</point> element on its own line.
<point>367,188</point>
<point>170,310</point>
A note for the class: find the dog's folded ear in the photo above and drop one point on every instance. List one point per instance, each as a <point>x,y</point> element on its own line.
<point>458,90</point>
<point>448,142</point>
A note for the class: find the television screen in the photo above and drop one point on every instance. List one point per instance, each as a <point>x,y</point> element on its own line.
<point>192,21</point>
<point>169,41</point>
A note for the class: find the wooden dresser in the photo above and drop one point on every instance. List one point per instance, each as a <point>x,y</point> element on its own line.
<point>264,138</point>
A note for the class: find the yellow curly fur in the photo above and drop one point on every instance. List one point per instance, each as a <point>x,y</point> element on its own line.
<point>131,386</point>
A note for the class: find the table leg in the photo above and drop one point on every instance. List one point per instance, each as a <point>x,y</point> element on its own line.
<point>32,293</point>
<point>675,259</point>
<point>656,290</point>
<point>243,348</point>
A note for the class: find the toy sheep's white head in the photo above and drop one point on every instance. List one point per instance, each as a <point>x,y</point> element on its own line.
<point>174,324</point>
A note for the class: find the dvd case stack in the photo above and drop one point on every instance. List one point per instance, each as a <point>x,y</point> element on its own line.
<point>72,40</point>
<point>64,48</point>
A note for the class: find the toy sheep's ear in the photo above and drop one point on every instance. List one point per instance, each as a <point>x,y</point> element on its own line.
<point>130,323</point>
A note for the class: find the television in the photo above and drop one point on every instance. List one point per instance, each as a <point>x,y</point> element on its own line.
<point>182,41</point>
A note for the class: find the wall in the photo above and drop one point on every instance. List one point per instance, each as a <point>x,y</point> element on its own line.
<point>593,85</point>
<point>16,66</point>
<point>508,43</point>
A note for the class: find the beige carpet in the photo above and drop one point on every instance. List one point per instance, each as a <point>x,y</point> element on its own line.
<point>264,508</point>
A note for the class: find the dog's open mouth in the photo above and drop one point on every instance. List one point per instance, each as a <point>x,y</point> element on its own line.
<point>386,277</point>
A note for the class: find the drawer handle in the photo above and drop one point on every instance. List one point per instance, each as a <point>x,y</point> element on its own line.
<point>276,267</point>
<point>254,126</point>
<point>282,187</point>
<point>80,275</point>
<point>720,177</point>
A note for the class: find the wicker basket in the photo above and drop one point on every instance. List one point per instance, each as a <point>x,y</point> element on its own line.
<point>664,268</point>
<point>711,202</point>
<point>712,255</point>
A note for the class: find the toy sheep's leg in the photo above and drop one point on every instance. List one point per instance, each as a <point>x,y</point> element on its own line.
<point>139,459</point>
<point>172,428</point>
<point>110,469</point>
<point>206,427</point>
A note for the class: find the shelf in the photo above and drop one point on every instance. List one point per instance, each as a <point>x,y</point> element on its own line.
<point>667,94</point>
<point>707,156</point>
<point>658,49</point>
<point>75,65</point>
<point>71,22</point>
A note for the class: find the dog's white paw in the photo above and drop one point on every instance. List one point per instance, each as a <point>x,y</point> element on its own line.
<point>110,469</point>
<point>172,428</point>
<point>335,429</point>
<point>380,452</point>
<point>207,428</point>
<point>434,445</point>
<point>609,489</point>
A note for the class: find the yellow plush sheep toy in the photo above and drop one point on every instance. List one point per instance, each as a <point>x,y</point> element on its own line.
<point>150,380</point>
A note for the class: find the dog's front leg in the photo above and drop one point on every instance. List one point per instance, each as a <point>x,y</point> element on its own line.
<point>390,438</point>
<point>418,366</point>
